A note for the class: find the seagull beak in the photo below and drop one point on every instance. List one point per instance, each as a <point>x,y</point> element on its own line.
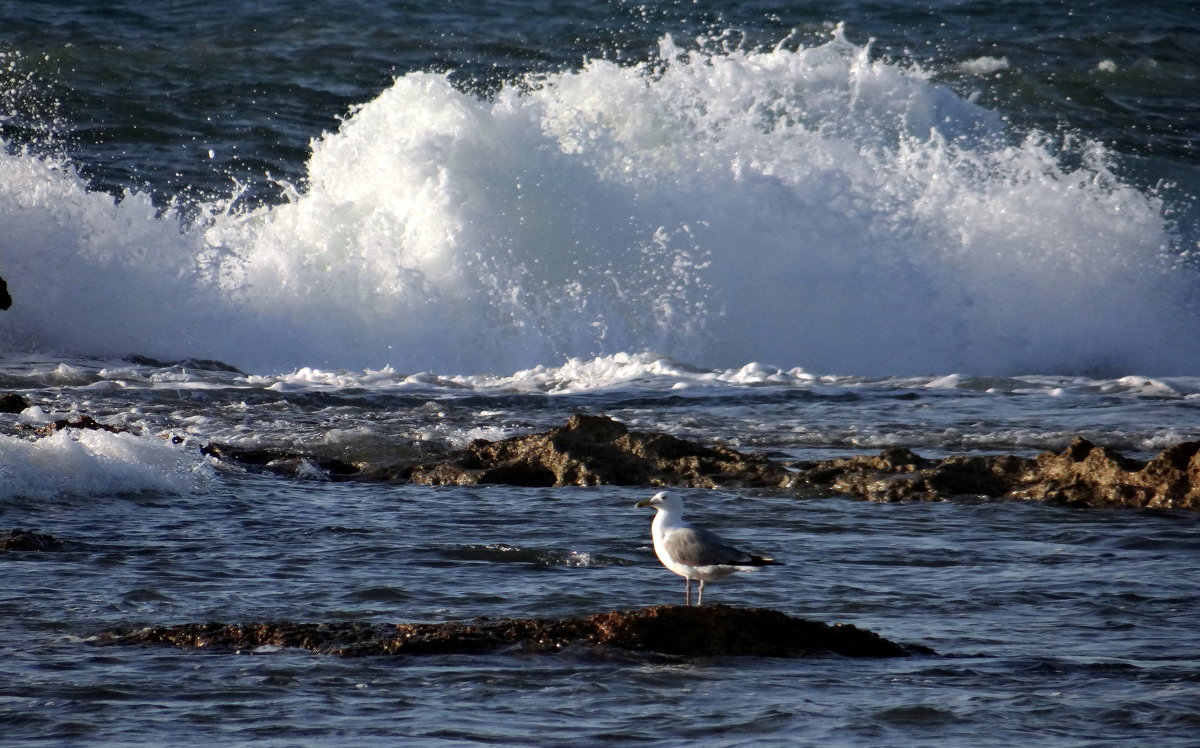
<point>643,503</point>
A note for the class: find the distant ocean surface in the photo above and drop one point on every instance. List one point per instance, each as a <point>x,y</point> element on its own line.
<point>808,229</point>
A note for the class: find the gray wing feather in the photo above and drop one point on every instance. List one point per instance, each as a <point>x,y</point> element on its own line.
<point>696,547</point>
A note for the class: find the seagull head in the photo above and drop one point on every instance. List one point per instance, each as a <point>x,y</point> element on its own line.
<point>663,500</point>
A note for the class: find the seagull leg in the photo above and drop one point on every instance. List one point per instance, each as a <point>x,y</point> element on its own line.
<point>700,595</point>
<point>687,587</point>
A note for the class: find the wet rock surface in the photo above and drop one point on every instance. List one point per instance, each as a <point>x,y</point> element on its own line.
<point>283,462</point>
<point>11,402</point>
<point>203,364</point>
<point>1083,474</point>
<point>596,450</point>
<point>25,540</point>
<point>587,451</point>
<point>716,630</point>
<point>82,422</point>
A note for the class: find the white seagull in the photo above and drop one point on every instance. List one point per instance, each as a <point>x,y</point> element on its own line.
<point>692,552</point>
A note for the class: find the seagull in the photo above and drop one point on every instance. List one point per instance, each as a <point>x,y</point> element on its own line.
<point>692,552</point>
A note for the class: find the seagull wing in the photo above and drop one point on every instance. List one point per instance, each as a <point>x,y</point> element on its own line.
<point>696,547</point>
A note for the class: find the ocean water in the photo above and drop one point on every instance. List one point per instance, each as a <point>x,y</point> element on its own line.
<point>805,229</point>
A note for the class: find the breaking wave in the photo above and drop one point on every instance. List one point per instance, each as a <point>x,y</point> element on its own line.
<point>805,206</point>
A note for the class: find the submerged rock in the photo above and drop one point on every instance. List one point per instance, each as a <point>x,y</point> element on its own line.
<point>281,462</point>
<point>1083,474</point>
<point>716,630</point>
<point>596,450</point>
<point>24,540</point>
<point>203,364</point>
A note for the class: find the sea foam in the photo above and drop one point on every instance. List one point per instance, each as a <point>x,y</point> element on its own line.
<point>74,462</point>
<point>809,207</point>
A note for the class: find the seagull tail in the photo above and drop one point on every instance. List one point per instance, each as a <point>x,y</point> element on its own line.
<point>763,561</point>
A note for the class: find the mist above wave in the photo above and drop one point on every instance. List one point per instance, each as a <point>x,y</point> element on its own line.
<point>809,207</point>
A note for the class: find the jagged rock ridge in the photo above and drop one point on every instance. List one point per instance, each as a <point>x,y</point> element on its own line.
<point>596,450</point>
<point>1083,474</point>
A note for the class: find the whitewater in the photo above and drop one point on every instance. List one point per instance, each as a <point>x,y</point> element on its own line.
<point>808,207</point>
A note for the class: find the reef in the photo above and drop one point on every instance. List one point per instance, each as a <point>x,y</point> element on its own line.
<point>594,450</point>
<point>1083,474</point>
<point>709,631</point>
<point>597,450</point>
<point>587,451</point>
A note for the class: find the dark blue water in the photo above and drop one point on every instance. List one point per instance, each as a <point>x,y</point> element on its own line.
<point>1053,627</point>
<point>952,226</point>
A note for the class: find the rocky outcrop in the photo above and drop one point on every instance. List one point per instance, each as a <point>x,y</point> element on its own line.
<point>587,451</point>
<point>596,450</point>
<point>1088,475</point>
<point>716,630</point>
<point>1083,474</point>
<point>11,402</point>
<point>24,540</point>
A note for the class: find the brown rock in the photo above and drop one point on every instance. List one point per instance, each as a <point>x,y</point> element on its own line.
<point>716,630</point>
<point>596,450</point>
<point>587,451</point>
<point>1083,474</point>
<point>1087,475</point>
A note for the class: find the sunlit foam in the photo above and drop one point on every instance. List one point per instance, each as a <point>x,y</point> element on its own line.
<point>76,462</point>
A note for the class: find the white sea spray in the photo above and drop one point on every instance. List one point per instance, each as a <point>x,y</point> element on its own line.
<point>77,462</point>
<point>812,207</point>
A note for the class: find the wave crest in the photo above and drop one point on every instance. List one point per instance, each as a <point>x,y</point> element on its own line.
<point>810,206</point>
